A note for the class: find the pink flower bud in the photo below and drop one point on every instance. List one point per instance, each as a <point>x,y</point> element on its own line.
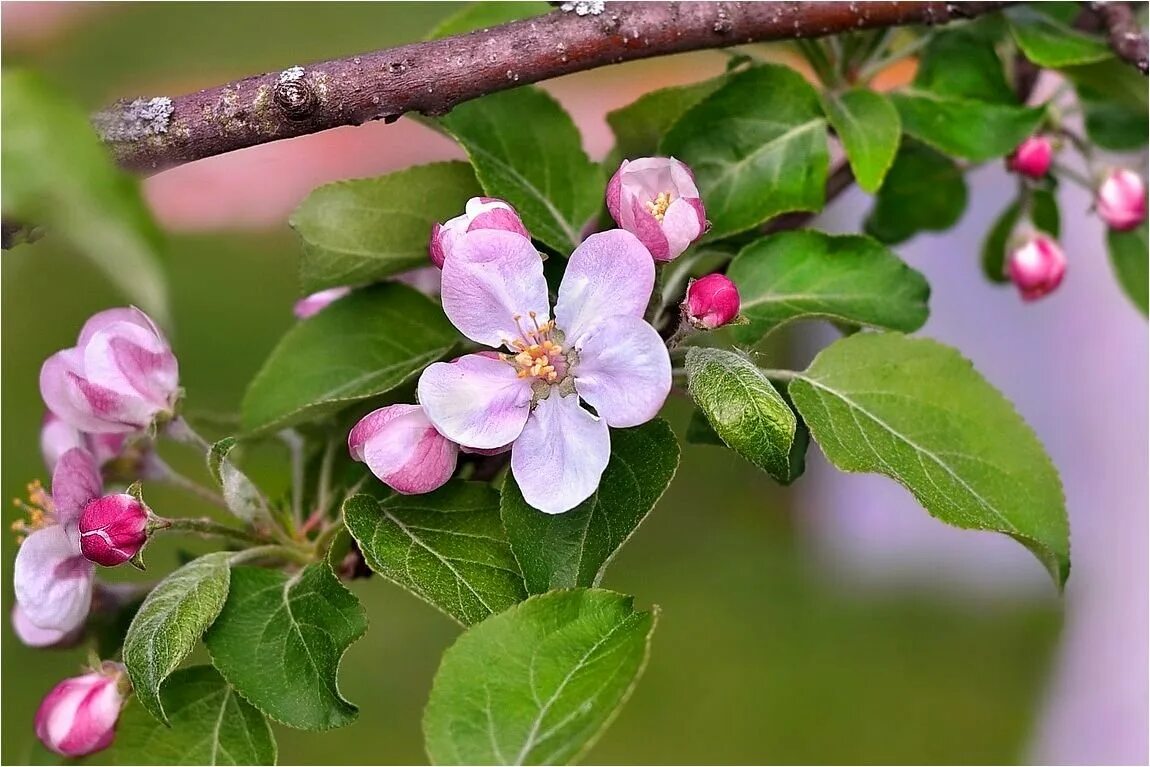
<point>480,213</point>
<point>1032,157</point>
<point>119,378</point>
<point>112,529</point>
<point>1036,266</point>
<point>712,302</point>
<point>1121,199</point>
<point>78,717</point>
<point>655,198</point>
<point>402,448</point>
<point>309,305</point>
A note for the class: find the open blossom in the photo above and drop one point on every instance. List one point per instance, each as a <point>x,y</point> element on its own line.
<point>78,717</point>
<point>655,198</point>
<point>479,213</point>
<point>113,529</point>
<point>52,579</point>
<point>597,349</point>
<point>711,302</point>
<point>119,378</point>
<point>1121,199</point>
<point>1032,157</point>
<point>1036,266</point>
<point>403,449</point>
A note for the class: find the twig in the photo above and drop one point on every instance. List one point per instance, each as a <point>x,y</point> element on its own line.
<point>1125,36</point>
<point>433,77</point>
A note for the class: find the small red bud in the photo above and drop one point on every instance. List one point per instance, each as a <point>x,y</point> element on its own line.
<point>113,529</point>
<point>1032,157</point>
<point>1036,266</point>
<point>711,302</point>
<point>1121,199</point>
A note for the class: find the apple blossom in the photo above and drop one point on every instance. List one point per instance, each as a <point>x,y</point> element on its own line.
<point>52,579</point>
<point>711,302</point>
<point>1121,199</point>
<point>597,350</point>
<point>120,377</point>
<point>1036,266</point>
<point>113,529</point>
<point>1032,157</point>
<point>57,437</point>
<point>34,636</point>
<point>78,717</point>
<point>402,448</point>
<point>655,198</point>
<point>479,213</point>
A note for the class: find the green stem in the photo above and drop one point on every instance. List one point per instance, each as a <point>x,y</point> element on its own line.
<point>180,430</point>
<point>1073,175</point>
<point>295,446</point>
<point>172,477</point>
<point>867,72</point>
<point>781,375</point>
<point>211,528</point>
<point>327,536</point>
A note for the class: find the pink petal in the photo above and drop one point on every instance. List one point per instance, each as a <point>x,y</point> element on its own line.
<point>426,279</point>
<point>680,226</point>
<point>610,274</point>
<point>82,404</point>
<point>498,217</point>
<point>34,636</point>
<point>561,454</point>
<point>475,400</point>
<point>649,231</point>
<point>402,448</point>
<point>52,580</point>
<point>133,362</point>
<point>75,481</point>
<point>492,277</point>
<point>56,438</point>
<point>316,302</point>
<point>101,320</point>
<point>624,371</point>
<point>78,717</point>
<point>683,179</point>
<point>614,194</point>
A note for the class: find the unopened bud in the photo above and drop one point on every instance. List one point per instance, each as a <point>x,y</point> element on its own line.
<point>1121,199</point>
<point>78,717</point>
<point>1032,157</point>
<point>480,213</point>
<point>1036,266</point>
<point>113,529</point>
<point>712,301</point>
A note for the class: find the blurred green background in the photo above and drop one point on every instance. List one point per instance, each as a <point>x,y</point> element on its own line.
<point>759,655</point>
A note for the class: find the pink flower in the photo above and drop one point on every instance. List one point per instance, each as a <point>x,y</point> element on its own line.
<point>119,378</point>
<point>57,437</point>
<point>34,636</point>
<point>655,198</point>
<point>113,529</point>
<point>711,302</point>
<point>1121,199</point>
<point>480,213</point>
<point>403,449</point>
<point>1036,266</point>
<point>52,579</point>
<point>78,717</point>
<point>597,350</point>
<point>309,305</point>
<point>1032,157</point>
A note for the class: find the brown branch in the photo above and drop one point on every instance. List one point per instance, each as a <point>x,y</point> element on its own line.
<point>432,77</point>
<point>1127,39</point>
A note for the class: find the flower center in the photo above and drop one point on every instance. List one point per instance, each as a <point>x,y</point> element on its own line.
<point>38,509</point>
<point>658,206</point>
<point>538,352</point>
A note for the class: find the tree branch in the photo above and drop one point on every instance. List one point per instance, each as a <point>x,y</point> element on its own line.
<point>1126,38</point>
<point>431,77</point>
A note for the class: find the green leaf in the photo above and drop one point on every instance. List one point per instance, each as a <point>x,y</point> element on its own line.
<point>1128,257</point>
<point>758,147</point>
<point>1045,216</point>
<point>974,130</point>
<point>361,346</point>
<point>242,496</point>
<point>574,548</point>
<point>1115,103</point>
<point>918,412</point>
<point>868,125</point>
<point>700,432</point>
<point>479,15</point>
<point>641,125</point>
<point>210,724</point>
<point>539,683</point>
<point>924,191</point>
<point>170,622</point>
<point>365,229</point>
<point>279,641</point>
<point>59,175</point>
<point>447,547</point>
<point>743,408</point>
<point>964,63</point>
<point>527,151</point>
<point>1049,42</point>
<point>806,274</point>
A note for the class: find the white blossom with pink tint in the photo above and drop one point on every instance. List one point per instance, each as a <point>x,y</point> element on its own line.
<point>1121,199</point>
<point>403,449</point>
<point>34,636</point>
<point>52,579</point>
<point>57,437</point>
<point>313,304</point>
<point>78,717</point>
<point>655,198</point>
<point>119,378</point>
<point>597,350</point>
<point>479,213</point>
<point>1036,266</point>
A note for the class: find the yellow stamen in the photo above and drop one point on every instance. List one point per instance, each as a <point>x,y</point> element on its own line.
<point>658,206</point>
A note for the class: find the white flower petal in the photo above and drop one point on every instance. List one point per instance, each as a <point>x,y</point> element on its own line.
<point>611,273</point>
<point>52,580</point>
<point>561,454</point>
<point>475,401</point>
<point>624,371</point>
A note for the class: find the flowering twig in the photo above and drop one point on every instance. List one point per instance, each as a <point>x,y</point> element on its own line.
<point>1126,38</point>
<point>434,76</point>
